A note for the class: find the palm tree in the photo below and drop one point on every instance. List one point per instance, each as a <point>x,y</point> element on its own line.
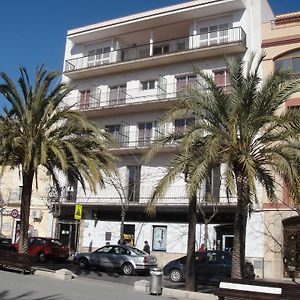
<point>245,131</point>
<point>40,131</point>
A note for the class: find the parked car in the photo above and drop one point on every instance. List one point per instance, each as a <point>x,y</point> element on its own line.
<point>123,257</point>
<point>44,249</point>
<point>211,267</point>
<point>5,243</point>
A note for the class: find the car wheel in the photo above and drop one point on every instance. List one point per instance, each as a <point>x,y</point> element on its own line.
<point>42,257</point>
<point>176,275</point>
<point>83,263</point>
<point>128,269</point>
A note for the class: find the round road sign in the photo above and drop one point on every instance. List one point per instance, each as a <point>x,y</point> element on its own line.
<point>14,213</point>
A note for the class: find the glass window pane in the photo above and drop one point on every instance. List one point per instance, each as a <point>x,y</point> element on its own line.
<point>296,64</point>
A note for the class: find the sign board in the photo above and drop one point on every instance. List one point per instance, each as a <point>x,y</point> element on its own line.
<point>14,213</point>
<point>78,212</point>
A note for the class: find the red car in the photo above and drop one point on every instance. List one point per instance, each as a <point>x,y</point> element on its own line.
<point>44,249</point>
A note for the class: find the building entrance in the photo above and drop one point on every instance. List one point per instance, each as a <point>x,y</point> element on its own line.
<point>68,232</point>
<point>291,247</point>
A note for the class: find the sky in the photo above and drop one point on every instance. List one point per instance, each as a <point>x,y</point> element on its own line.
<point>33,32</point>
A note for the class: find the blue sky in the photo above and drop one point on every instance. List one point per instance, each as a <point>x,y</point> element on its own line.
<point>33,32</point>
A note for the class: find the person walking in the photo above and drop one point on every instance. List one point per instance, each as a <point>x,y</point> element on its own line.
<point>146,247</point>
<point>122,241</point>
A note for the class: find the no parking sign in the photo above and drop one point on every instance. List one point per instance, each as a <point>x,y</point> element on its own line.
<point>14,213</point>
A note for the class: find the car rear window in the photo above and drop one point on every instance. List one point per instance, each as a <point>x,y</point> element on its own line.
<point>137,251</point>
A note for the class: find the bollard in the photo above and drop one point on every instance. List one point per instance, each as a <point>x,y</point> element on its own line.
<point>155,287</point>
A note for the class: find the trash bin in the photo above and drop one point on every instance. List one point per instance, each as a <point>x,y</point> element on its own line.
<point>155,287</point>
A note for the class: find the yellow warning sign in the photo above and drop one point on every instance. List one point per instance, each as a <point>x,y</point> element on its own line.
<point>78,212</point>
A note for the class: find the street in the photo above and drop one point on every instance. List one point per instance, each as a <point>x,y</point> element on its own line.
<point>17,286</point>
<point>105,275</point>
<point>115,276</point>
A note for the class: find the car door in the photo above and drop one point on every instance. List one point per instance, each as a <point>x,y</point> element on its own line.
<point>104,256</point>
<point>211,268</point>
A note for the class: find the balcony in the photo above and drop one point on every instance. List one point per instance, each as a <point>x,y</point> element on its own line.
<point>132,100</point>
<point>135,141</point>
<point>208,44</point>
<point>175,196</point>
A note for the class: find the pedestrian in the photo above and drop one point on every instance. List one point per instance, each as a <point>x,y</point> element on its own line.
<point>122,241</point>
<point>146,247</point>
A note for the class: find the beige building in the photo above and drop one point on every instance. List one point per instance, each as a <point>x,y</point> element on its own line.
<point>40,217</point>
<point>281,43</point>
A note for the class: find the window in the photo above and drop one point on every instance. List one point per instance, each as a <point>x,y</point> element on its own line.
<point>221,79</point>
<point>212,184</point>
<point>294,107</point>
<point>184,82</point>
<point>118,134</point>
<point>182,124</point>
<point>223,34</point>
<point>99,56</point>
<point>160,49</point>
<point>213,35</point>
<point>134,181</point>
<point>117,95</point>
<point>181,46</point>
<point>159,238</point>
<point>84,99</point>
<point>148,85</point>
<point>145,133</point>
<point>289,61</point>
<point>144,52</point>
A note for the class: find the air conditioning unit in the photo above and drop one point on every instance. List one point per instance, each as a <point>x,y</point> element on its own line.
<point>36,214</point>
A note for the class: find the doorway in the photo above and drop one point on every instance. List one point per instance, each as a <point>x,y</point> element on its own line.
<point>68,233</point>
<point>129,234</point>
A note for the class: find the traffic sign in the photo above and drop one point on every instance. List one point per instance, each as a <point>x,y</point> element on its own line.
<point>14,213</point>
<point>78,212</point>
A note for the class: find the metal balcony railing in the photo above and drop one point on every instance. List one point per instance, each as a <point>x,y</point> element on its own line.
<point>175,196</point>
<point>133,96</point>
<point>165,47</point>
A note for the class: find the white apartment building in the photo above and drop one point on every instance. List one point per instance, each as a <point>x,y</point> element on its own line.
<point>127,72</point>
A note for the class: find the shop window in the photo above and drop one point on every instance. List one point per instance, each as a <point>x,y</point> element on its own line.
<point>159,238</point>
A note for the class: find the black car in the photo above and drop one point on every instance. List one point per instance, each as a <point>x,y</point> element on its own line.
<point>211,267</point>
<point>5,243</point>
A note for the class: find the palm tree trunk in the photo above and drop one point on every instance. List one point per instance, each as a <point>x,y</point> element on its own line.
<point>205,233</point>
<point>25,210</point>
<point>123,214</point>
<point>190,260</point>
<point>240,225</point>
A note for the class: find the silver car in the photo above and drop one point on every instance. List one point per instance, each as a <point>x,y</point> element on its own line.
<point>126,258</point>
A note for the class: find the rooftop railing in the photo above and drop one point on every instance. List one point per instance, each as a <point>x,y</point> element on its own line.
<point>165,47</point>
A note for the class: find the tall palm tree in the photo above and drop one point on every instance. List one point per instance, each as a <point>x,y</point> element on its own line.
<point>245,131</point>
<point>39,130</point>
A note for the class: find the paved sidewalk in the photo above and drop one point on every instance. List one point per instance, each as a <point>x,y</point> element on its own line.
<point>16,286</point>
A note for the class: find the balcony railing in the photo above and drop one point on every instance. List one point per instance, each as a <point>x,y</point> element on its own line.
<point>188,43</point>
<point>176,196</point>
<point>132,96</point>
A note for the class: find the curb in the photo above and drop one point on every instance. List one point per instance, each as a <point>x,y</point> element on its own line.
<point>143,286</point>
<point>167,292</point>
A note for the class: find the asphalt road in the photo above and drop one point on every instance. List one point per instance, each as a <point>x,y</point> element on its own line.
<point>17,286</point>
<point>113,276</point>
